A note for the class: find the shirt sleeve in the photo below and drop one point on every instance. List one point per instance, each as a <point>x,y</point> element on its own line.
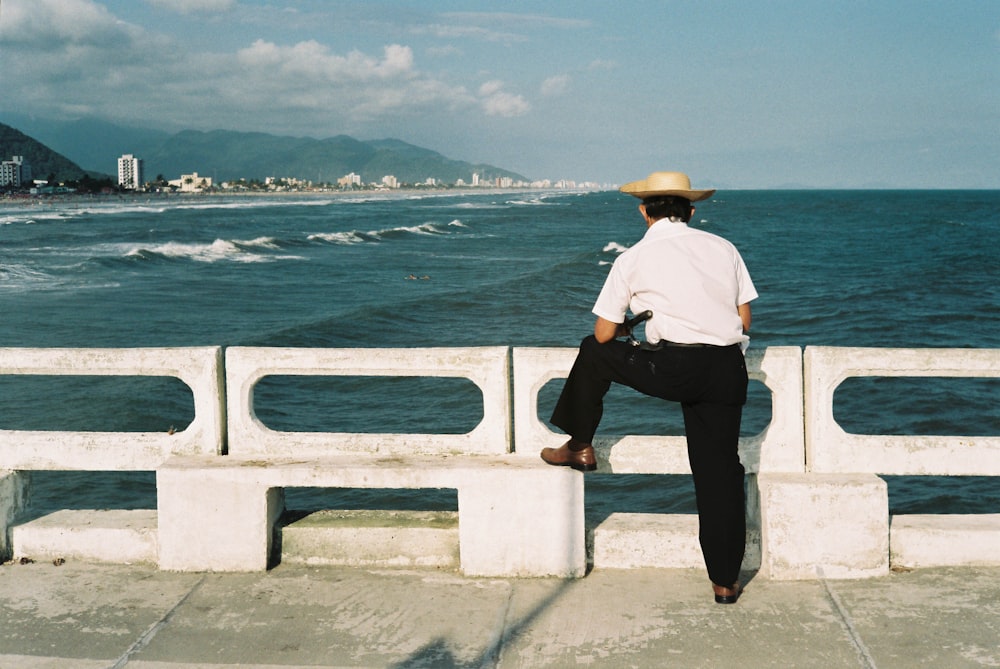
<point>746,290</point>
<point>613,300</point>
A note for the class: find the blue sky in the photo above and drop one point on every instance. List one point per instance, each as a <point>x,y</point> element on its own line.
<point>739,94</point>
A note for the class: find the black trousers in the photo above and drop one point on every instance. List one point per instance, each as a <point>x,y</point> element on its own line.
<point>710,383</point>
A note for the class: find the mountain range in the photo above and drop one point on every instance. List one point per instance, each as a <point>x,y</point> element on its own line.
<point>69,149</point>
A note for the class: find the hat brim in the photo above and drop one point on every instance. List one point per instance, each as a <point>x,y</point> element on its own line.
<point>640,189</point>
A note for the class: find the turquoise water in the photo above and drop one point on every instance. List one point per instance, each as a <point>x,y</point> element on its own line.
<point>836,268</point>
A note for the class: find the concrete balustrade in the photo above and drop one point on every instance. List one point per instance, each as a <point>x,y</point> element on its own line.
<point>487,367</point>
<point>816,504</point>
<point>200,368</point>
<point>843,468</point>
<point>221,514</point>
<point>829,449</point>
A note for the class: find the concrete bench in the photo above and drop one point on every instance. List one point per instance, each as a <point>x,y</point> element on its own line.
<point>667,540</point>
<point>515,516</point>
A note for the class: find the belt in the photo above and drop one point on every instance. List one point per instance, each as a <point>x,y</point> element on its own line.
<point>646,346</point>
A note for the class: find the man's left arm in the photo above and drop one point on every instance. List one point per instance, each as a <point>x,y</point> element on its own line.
<point>744,311</point>
<point>605,330</point>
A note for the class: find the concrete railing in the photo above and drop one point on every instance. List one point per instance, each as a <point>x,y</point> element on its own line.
<point>199,368</point>
<point>835,516</point>
<point>487,367</point>
<point>220,514</point>
<point>829,449</point>
<point>815,500</point>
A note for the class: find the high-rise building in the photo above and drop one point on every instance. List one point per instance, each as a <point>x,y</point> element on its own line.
<point>14,172</point>
<point>130,172</point>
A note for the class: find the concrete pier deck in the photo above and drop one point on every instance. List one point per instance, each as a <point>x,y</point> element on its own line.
<point>85,616</point>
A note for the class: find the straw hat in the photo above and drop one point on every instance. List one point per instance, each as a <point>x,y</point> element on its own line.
<point>666,183</point>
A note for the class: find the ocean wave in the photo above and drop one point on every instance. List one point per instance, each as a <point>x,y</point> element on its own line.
<point>15,277</point>
<point>349,237</point>
<point>614,247</point>
<point>216,251</point>
<point>252,203</point>
<point>481,205</point>
<point>534,202</point>
<point>31,216</point>
<point>21,278</point>
<point>345,238</point>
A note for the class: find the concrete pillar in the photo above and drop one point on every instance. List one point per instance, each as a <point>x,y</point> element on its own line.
<point>229,526</point>
<point>13,498</point>
<point>829,525</point>
<point>522,522</point>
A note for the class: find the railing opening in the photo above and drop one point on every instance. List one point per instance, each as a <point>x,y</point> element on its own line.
<point>55,490</point>
<point>637,493</point>
<point>95,403</point>
<point>943,494</point>
<point>959,406</point>
<point>369,404</point>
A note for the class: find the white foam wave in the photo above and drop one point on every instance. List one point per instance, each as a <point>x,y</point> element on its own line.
<point>358,237</point>
<point>458,224</point>
<point>479,205</point>
<point>30,216</point>
<point>262,242</point>
<point>533,202</point>
<point>614,247</point>
<point>422,229</point>
<point>219,250</point>
<point>345,238</point>
<point>14,277</point>
<point>253,203</point>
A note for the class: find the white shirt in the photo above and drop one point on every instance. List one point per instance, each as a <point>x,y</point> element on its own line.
<point>692,280</point>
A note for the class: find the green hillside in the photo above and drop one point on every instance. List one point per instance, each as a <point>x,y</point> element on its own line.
<point>227,155</point>
<point>43,160</point>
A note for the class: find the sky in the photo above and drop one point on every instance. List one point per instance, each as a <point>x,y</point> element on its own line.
<point>739,94</point>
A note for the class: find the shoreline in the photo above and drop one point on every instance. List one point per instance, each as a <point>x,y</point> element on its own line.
<point>28,198</point>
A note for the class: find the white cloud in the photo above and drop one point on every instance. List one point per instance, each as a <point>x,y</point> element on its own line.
<point>557,85</point>
<point>605,65</point>
<point>497,102</point>
<point>314,62</point>
<point>53,25</point>
<point>78,59</point>
<point>194,6</point>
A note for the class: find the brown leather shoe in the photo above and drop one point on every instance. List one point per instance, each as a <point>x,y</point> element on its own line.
<point>573,453</point>
<point>729,595</point>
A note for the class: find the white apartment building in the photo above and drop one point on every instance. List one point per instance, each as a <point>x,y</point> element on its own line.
<point>351,179</point>
<point>191,183</point>
<point>130,174</point>
<point>15,172</point>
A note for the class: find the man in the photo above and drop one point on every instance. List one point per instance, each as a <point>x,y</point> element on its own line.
<point>699,291</point>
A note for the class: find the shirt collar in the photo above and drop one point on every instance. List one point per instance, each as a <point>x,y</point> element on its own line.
<point>666,226</point>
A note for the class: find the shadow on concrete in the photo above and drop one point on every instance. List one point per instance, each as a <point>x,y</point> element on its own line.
<point>438,655</point>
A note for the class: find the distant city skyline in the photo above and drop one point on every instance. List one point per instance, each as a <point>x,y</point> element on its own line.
<point>764,95</point>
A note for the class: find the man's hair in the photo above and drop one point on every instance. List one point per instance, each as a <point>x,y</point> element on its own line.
<point>668,206</point>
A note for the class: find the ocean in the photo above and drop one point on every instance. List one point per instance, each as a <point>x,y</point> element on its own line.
<point>480,268</point>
